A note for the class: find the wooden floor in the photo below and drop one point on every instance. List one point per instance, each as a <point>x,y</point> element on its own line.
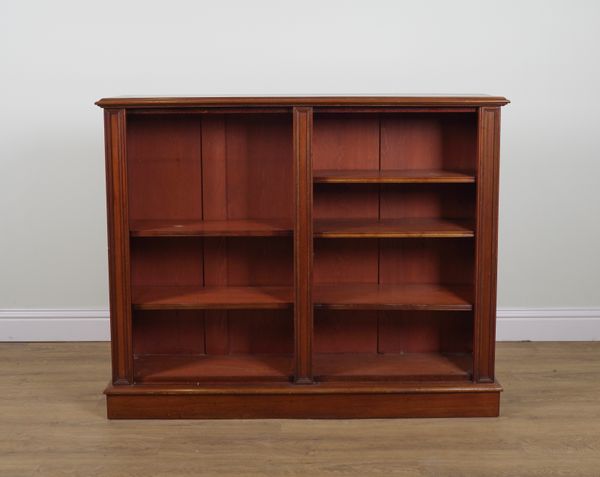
<point>52,423</point>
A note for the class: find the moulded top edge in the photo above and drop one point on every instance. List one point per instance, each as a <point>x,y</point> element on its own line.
<point>253,101</point>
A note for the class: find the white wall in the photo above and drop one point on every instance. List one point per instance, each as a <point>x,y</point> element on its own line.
<point>58,57</point>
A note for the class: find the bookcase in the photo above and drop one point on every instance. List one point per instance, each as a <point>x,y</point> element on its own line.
<point>302,257</point>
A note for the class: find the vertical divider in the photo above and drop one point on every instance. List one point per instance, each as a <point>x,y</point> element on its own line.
<point>486,244</point>
<point>303,244</point>
<point>118,246</point>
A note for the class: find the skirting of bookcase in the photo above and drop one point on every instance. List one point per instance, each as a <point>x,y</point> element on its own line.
<point>316,401</point>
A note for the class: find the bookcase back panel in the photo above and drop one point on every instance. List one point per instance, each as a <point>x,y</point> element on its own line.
<point>395,141</point>
<point>346,261</point>
<point>345,331</point>
<point>167,261</point>
<point>247,164</point>
<point>425,332</point>
<point>212,167</point>
<point>259,261</point>
<point>260,331</point>
<point>182,332</point>
<point>446,141</point>
<point>168,332</point>
<point>426,261</point>
<point>394,261</point>
<point>164,167</point>
<point>392,201</point>
<point>437,201</point>
<point>345,201</point>
<point>393,332</point>
<point>345,142</point>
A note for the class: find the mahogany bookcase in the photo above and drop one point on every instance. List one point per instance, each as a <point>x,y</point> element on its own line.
<point>302,257</point>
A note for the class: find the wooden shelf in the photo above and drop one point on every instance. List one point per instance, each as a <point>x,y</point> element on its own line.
<point>392,297</point>
<point>212,228</point>
<point>382,367</point>
<point>393,228</point>
<point>212,368</point>
<point>391,177</point>
<point>211,298</point>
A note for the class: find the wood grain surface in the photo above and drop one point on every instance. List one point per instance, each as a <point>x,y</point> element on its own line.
<point>52,416</point>
<point>203,203</point>
<point>248,101</point>
<point>391,297</point>
<point>416,176</point>
<point>199,298</point>
<point>392,228</point>
<point>210,228</point>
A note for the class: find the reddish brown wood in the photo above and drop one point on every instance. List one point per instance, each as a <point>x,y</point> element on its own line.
<point>211,228</point>
<point>164,168</point>
<point>393,228</point>
<point>340,262</point>
<point>213,216</point>
<point>428,141</point>
<point>118,246</point>
<point>486,244</point>
<point>198,298</point>
<point>345,261</point>
<point>166,262</point>
<point>261,331</point>
<point>220,111</point>
<point>280,388</point>
<point>166,332</point>
<point>259,155</point>
<point>392,297</point>
<point>384,110</point>
<point>392,367</point>
<point>214,200</point>
<point>246,101</point>
<point>213,368</point>
<point>426,332</point>
<point>426,261</point>
<point>346,142</point>
<point>329,403</point>
<point>399,176</point>
<point>345,331</point>
<point>303,245</point>
<point>428,201</point>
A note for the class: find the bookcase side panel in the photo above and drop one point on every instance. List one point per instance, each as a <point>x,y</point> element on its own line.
<point>118,246</point>
<point>486,244</point>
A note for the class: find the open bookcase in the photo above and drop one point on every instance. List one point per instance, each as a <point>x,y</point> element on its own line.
<point>302,257</point>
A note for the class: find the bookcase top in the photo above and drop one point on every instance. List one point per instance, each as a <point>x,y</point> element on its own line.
<point>289,101</point>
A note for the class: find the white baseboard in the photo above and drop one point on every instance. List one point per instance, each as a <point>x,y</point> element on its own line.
<point>514,324</point>
<point>54,325</point>
<point>548,324</point>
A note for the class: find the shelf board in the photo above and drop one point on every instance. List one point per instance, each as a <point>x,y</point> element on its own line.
<point>382,367</point>
<point>392,297</point>
<point>211,228</point>
<point>393,228</point>
<point>198,298</point>
<point>427,176</point>
<point>212,368</point>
